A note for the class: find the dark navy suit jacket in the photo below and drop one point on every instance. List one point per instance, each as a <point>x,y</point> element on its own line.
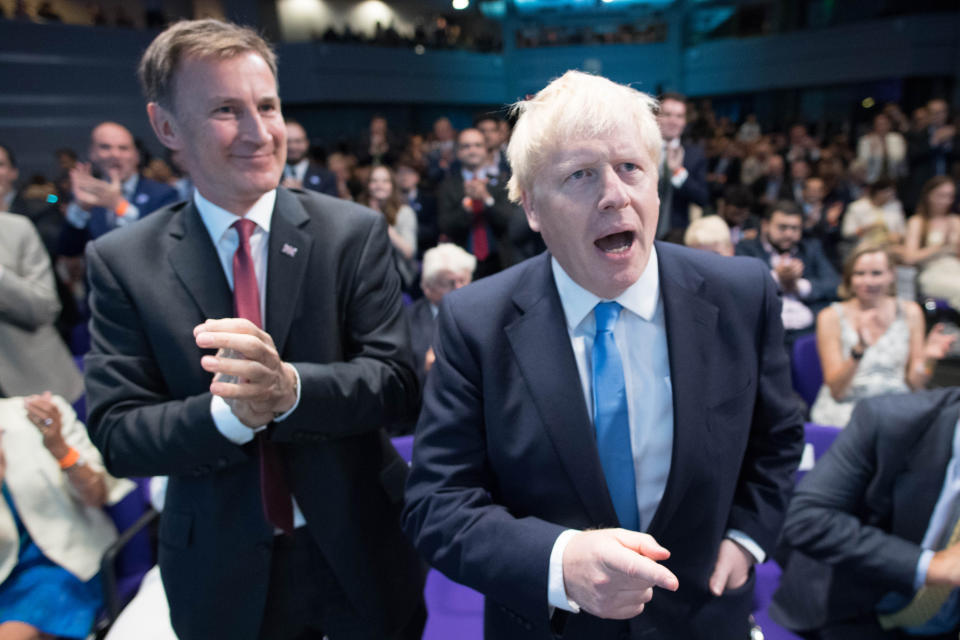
<point>855,525</point>
<point>505,456</point>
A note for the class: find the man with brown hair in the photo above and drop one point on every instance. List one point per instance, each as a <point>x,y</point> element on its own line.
<point>207,365</point>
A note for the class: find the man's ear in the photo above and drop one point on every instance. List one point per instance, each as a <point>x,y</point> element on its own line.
<point>164,126</point>
<point>533,218</point>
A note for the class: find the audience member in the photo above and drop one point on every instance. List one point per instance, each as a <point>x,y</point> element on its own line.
<point>423,203</point>
<point>801,147</point>
<point>736,210</point>
<point>339,165</point>
<point>709,233</point>
<point>446,268</point>
<point>108,192</point>
<point>683,168</point>
<point>53,528</point>
<point>933,241</point>
<point>877,217</point>
<point>472,208</point>
<point>869,529</point>
<point>799,172</point>
<point>493,134</point>
<point>281,517</point>
<point>932,148</point>
<point>300,172</point>
<point>883,150</point>
<point>772,186</point>
<point>441,151</point>
<point>723,167</point>
<point>378,146</point>
<point>750,130</point>
<point>517,489</point>
<point>383,196</point>
<point>804,275</point>
<point>33,354</point>
<point>871,343</point>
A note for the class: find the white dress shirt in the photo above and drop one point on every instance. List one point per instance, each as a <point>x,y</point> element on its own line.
<point>641,337</point>
<point>297,171</point>
<point>218,222</point>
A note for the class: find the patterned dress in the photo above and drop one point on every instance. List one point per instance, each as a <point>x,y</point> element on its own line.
<point>882,369</point>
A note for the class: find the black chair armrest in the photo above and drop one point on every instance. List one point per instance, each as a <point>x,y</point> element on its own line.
<point>108,571</point>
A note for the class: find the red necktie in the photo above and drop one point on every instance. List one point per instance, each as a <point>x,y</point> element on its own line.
<point>481,245</point>
<point>274,493</point>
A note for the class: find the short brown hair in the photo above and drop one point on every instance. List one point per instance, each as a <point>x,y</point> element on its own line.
<point>207,38</point>
<point>845,291</point>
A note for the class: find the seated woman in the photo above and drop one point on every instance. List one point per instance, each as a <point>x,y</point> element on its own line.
<point>877,217</point>
<point>933,241</point>
<point>53,530</point>
<point>382,194</point>
<point>871,343</point>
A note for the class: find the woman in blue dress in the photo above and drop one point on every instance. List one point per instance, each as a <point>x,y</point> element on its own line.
<point>53,530</point>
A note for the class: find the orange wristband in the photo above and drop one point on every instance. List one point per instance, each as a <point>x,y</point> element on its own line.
<point>122,207</point>
<point>70,459</point>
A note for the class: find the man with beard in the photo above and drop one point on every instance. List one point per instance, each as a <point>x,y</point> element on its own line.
<point>806,279</point>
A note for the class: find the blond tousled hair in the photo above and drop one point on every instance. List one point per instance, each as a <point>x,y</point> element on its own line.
<point>576,106</point>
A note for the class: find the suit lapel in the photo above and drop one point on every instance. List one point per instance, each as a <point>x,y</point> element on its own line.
<point>541,345</point>
<point>691,328</point>
<point>194,259</point>
<point>287,259</point>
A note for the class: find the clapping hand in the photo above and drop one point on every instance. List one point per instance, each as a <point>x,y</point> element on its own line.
<point>263,385</point>
<point>89,192</point>
<point>45,415</point>
<point>938,343</point>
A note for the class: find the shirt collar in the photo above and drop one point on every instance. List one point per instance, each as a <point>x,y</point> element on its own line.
<point>129,185</point>
<point>640,298</point>
<point>671,144</point>
<point>217,219</point>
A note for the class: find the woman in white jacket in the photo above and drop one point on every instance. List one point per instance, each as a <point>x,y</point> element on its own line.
<point>53,530</point>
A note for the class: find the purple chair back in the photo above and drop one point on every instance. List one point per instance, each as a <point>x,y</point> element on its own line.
<point>136,557</point>
<point>454,611</point>
<point>805,368</point>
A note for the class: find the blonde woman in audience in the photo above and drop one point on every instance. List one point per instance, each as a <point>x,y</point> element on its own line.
<point>53,530</point>
<point>871,343</point>
<point>933,240</point>
<point>709,233</point>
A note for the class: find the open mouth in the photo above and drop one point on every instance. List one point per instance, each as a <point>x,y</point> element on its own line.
<point>615,242</point>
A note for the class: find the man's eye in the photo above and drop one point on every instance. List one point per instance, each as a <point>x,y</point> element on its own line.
<point>629,166</point>
<point>578,174</point>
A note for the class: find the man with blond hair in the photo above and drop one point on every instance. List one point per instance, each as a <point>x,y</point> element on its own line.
<point>249,344</point>
<point>608,436</point>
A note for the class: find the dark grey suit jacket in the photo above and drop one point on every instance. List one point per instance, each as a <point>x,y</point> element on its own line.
<point>506,457</point>
<point>334,312</point>
<point>855,524</point>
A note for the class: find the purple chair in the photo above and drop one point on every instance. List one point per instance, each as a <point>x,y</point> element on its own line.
<point>805,368</point>
<point>453,610</point>
<point>126,561</point>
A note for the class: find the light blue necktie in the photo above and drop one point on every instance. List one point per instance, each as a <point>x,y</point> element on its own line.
<point>610,417</point>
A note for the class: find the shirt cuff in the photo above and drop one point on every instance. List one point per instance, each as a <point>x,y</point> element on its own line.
<point>804,287</point>
<point>679,178</point>
<point>923,564</point>
<point>556,592</point>
<point>228,424</point>
<point>77,217</point>
<point>285,415</point>
<point>747,543</point>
